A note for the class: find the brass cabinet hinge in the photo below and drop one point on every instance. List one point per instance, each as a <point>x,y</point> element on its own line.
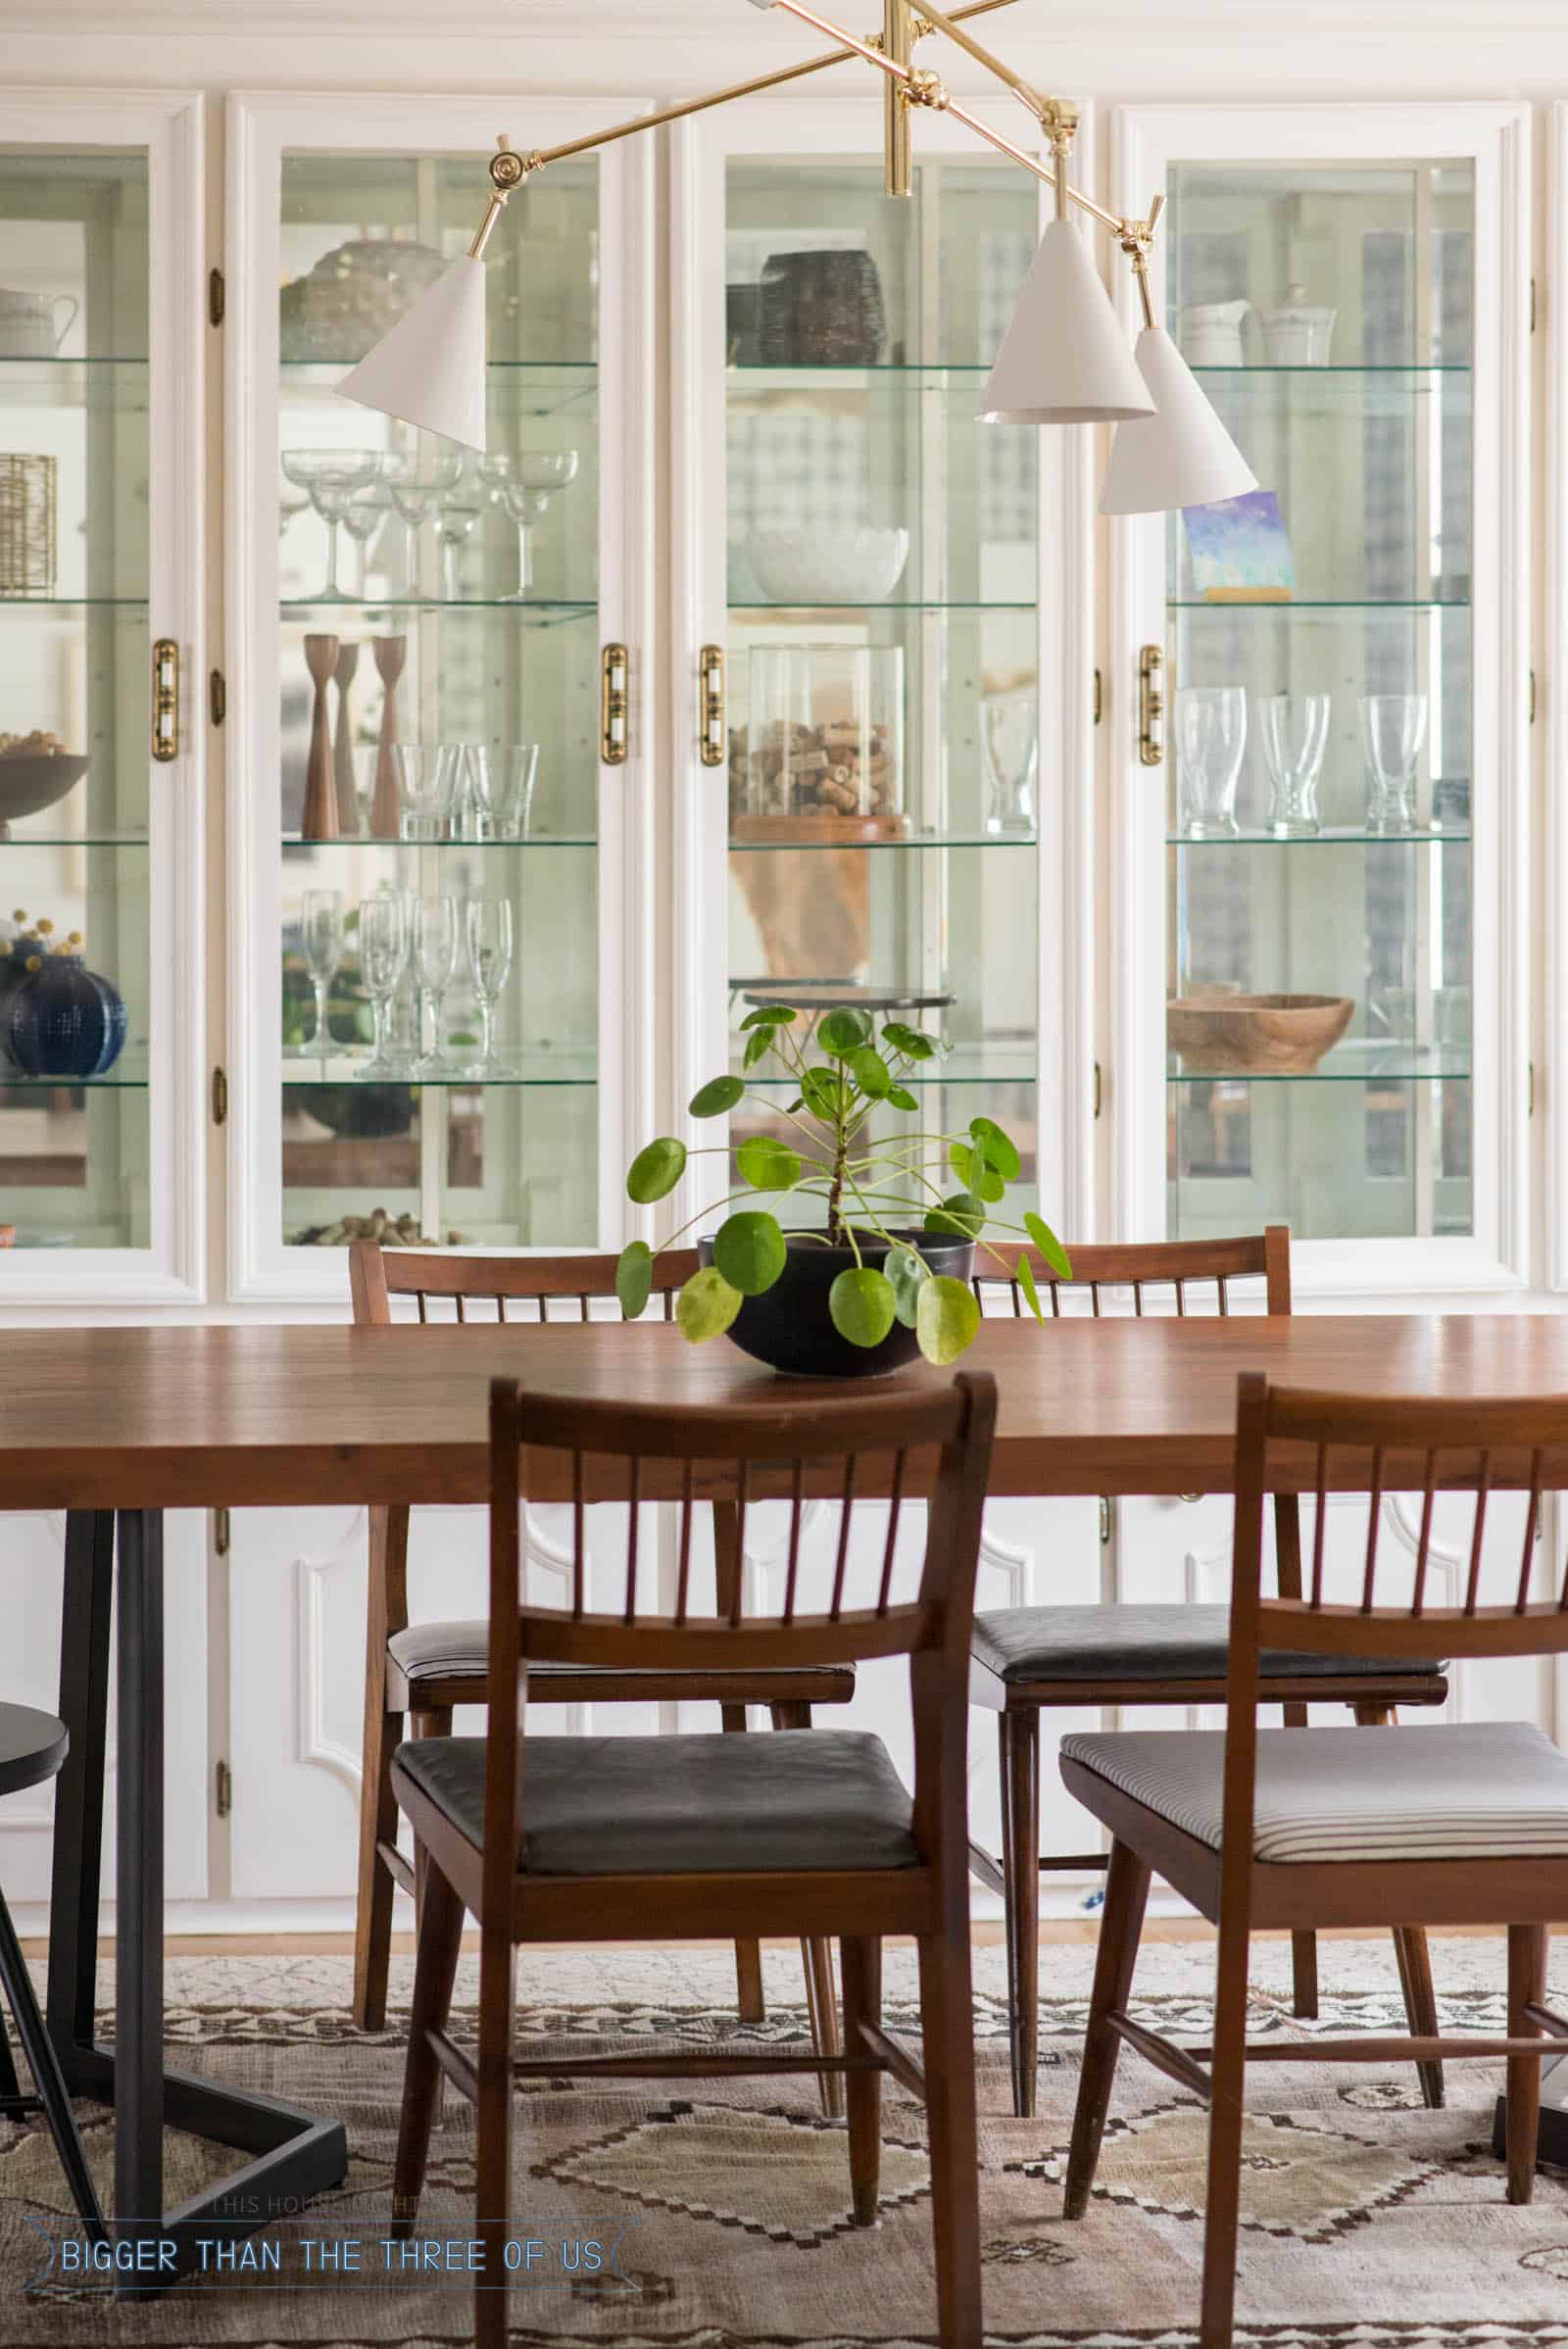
<point>222,1789</point>
<point>217,697</point>
<point>614,686</point>
<point>217,296</point>
<point>1150,706</point>
<point>1100,697</point>
<point>1105,1519</point>
<point>219,1097</point>
<point>166,699</point>
<point>1100,1089</point>
<point>711,743</point>
<point>220,1532</point>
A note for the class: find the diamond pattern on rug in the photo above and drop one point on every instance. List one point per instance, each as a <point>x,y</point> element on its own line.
<point>782,2175</point>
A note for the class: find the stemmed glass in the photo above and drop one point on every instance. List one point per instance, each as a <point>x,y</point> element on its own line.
<point>526,488</point>
<point>453,527</point>
<point>288,508</point>
<point>362,517</point>
<point>383,958</point>
<point>1394,726</point>
<point>1296,733</point>
<point>427,779</point>
<point>321,940</point>
<point>435,959</point>
<point>329,477</point>
<point>1211,739</point>
<point>1009,744</point>
<point>415,480</point>
<point>489,928</point>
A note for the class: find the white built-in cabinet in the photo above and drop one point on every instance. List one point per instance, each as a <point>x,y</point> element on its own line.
<point>1023,869</point>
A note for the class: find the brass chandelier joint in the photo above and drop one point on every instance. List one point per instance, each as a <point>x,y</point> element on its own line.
<point>928,89</point>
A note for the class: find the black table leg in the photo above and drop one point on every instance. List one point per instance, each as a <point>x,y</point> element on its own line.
<point>295,2154</point>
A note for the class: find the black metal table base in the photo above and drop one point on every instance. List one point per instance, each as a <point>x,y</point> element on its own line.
<point>295,2154</point>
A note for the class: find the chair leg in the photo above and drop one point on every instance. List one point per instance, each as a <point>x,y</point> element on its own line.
<point>1226,2118</point>
<point>10,2085</point>
<point>1303,1946</point>
<point>1009,1902</point>
<point>946,2024</point>
<point>862,1963</point>
<point>816,1957</point>
<point>1411,1954</point>
<point>379,1825</point>
<point>44,2065</point>
<point>434,1720</point>
<point>1121,1922</point>
<point>497,1999</point>
<point>1019,1737</point>
<point>434,1969</point>
<point>1527,1985</point>
<point>750,2002</point>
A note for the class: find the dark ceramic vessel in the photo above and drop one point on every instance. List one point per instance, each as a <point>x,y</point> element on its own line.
<point>789,1327</point>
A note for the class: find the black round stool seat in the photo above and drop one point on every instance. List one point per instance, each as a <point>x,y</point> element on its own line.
<point>33,1746</point>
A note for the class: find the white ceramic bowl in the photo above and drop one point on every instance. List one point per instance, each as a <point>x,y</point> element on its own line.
<point>29,785</point>
<point>829,566</point>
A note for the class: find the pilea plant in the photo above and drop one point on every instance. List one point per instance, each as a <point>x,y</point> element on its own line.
<point>874,1190</point>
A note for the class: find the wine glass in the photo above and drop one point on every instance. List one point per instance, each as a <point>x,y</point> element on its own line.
<point>1296,733</point>
<point>1394,726</point>
<point>435,959</point>
<point>427,778</point>
<point>330,478</point>
<point>489,928</point>
<point>453,527</point>
<point>383,958</point>
<point>1211,740</point>
<point>526,488</point>
<point>414,480</point>
<point>362,517</point>
<point>1009,744</point>
<point>321,942</point>
<point>519,762</point>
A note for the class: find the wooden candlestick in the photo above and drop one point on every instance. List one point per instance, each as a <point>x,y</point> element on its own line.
<point>348,660</point>
<point>389,653</point>
<point>318,816</point>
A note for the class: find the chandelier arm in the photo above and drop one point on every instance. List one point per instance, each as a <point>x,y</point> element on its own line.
<point>1041,108</point>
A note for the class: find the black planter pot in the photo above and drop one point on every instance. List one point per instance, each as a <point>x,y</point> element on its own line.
<point>789,1327</point>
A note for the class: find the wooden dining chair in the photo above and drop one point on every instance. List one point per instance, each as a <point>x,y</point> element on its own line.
<point>1028,1660</point>
<point>420,1672</point>
<point>635,1839</point>
<point>1461,1823</point>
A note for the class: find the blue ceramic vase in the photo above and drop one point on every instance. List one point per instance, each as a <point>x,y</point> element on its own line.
<point>66,1021</point>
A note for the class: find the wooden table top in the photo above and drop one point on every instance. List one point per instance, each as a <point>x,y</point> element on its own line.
<point>247,1416</point>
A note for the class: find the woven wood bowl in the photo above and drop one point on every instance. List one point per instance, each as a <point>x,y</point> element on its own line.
<point>1255,1035</point>
<point>28,785</point>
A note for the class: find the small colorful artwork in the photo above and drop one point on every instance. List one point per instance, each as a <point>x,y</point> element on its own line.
<point>1240,548</point>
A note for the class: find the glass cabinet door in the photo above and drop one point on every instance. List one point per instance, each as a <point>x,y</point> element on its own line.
<point>423,1056</point>
<point>101,1006</point>
<point>1326,760</point>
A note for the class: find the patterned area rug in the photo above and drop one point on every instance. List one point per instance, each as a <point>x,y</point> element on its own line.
<point>719,2209</point>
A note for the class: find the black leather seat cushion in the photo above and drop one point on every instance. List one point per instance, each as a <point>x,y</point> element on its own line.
<point>1139,1642</point>
<point>427,1651</point>
<point>683,1806</point>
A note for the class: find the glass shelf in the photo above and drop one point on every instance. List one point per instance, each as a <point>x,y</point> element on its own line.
<point>74,603</point>
<point>512,1070</point>
<point>355,840</point>
<point>1321,603</point>
<point>1380,373</point>
<point>518,388</point>
<point>564,608</point>
<point>1358,1060</point>
<point>128,1075</point>
<point>73,840</point>
<point>1332,836</point>
<point>994,1063</point>
<point>886,604</point>
<point>291,370</point>
<point>910,840</point>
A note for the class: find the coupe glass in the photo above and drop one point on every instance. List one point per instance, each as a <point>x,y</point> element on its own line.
<point>427,781</point>
<point>1009,743</point>
<point>1295,734</point>
<point>288,508</point>
<point>414,480</point>
<point>435,958</point>
<point>383,958</point>
<point>453,527</point>
<point>489,927</point>
<point>321,940</point>
<point>1211,739</point>
<point>330,478</point>
<point>1394,726</point>
<point>362,517</point>
<point>526,488</point>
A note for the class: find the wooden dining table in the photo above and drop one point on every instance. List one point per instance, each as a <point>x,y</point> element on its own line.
<point>114,1425</point>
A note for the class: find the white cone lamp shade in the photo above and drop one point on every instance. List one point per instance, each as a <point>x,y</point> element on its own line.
<point>1180,456</point>
<point>428,369</point>
<point>1064,360</point>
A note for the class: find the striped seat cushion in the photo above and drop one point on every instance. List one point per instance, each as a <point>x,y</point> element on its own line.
<point>1483,1790</point>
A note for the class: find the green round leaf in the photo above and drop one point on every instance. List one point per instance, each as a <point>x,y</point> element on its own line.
<point>1049,1247</point>
<point>961,1217</point>
<point>634,1277</point>
<point>706,1305</point>
<point>770,1015</point>
<point>870,1072</point>
<point>997,1147</point>
<point>862,1304</point>
<point>842,1032</point>
<point>822,1091</point>
<point>749,1250</point>
<point>656,1170</point>
<point>1026,1282</point>
<point>960,1158</point>
<point>900,1098</point>
<point>766,1164</point>
<point>975,1172</point>
<point>716,1097</point>
<point>910,1042</point>
<point>945,1319</point>
<point>907,1274</point>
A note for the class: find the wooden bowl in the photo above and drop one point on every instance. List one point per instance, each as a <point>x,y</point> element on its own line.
<point>1255,1034</point>
<point>30,784</point>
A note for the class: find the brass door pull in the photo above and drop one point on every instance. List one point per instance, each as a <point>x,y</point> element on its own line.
<point>166,699</point>
<point>613,670</point>
<point>1150,706</point>
<point>711,741</point>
